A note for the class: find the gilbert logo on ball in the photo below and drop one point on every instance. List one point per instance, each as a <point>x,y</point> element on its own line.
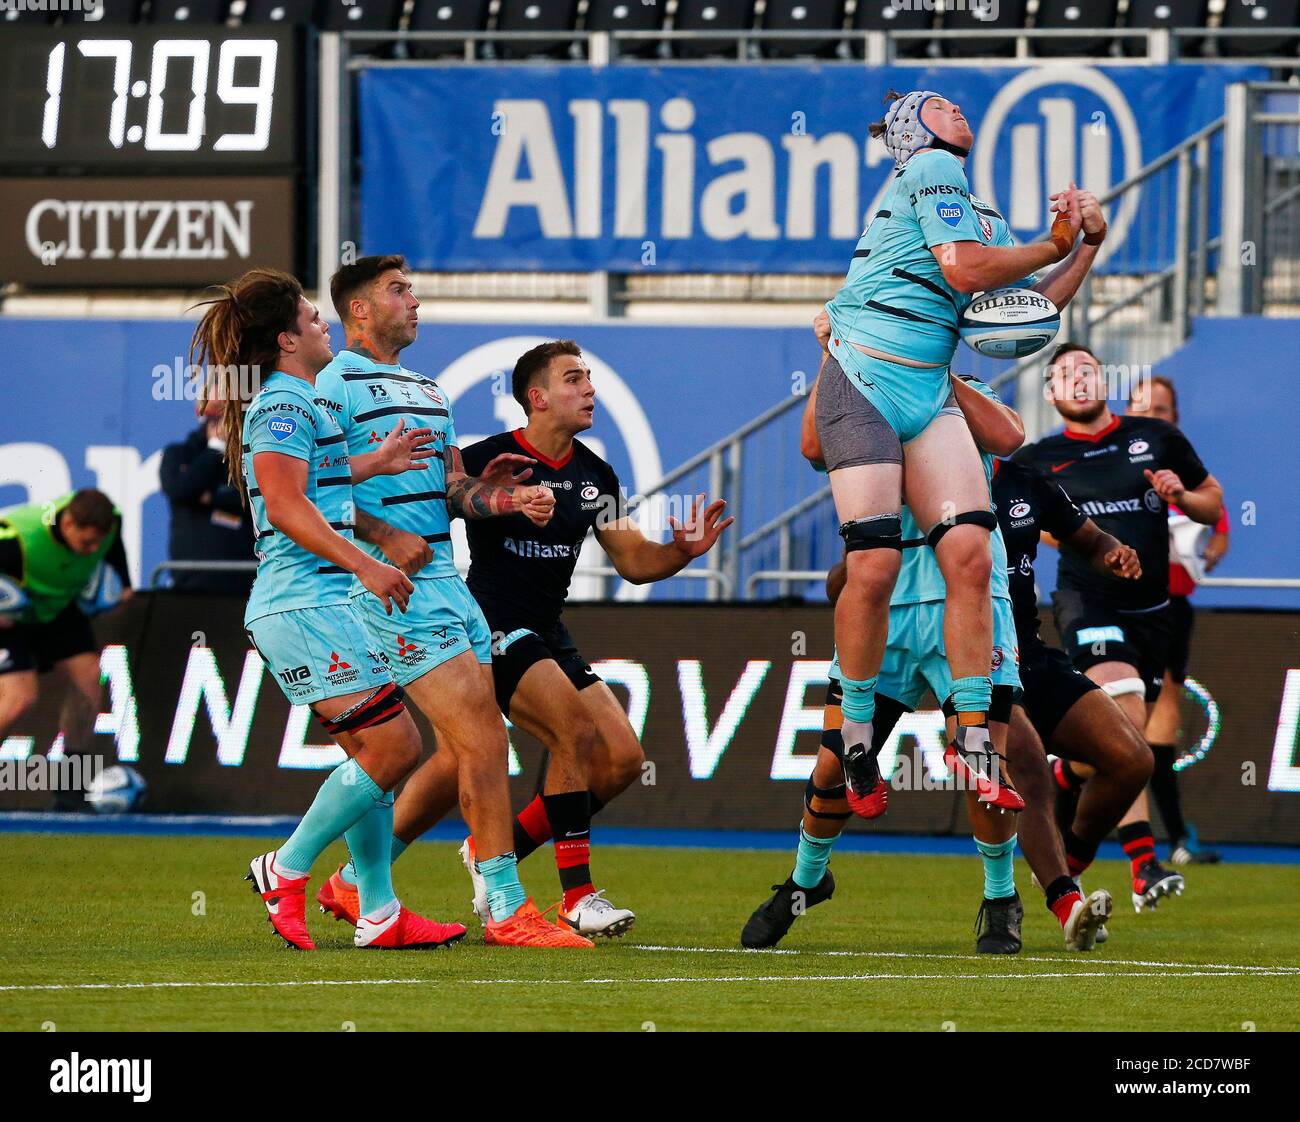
<point>1009,323</point>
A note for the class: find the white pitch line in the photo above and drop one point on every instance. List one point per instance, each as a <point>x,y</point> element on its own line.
<point>1270,970</point>
<point>100,986</point>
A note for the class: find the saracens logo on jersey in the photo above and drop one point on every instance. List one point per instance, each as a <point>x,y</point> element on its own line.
<point>1019,509</point>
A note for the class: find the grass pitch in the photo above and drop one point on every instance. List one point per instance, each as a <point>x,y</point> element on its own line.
<point>134,933</point>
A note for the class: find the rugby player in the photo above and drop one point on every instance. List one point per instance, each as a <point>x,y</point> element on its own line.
<point>914,660</point>
<point>48,553</point>
<point>1123,472</point>
<point>881,408</point>
<point>440,650</point>
<point>1157,398</point>
<point>1062,707</point>
<point>520,574</point>
<point>298,477</point>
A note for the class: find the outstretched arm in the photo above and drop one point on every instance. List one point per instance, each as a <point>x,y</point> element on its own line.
<point>641,561</point>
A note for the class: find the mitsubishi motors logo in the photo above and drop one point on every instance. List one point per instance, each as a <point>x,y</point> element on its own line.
<point>337,663</point>
<point>405,647</point>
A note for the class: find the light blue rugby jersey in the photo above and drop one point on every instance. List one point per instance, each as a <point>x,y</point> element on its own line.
<point>920,580</point>
<point>894,298</point>
<point>287,417</point>
<point>371,398</point>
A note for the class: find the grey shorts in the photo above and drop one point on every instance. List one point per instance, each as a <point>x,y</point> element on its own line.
<point>852,431</point>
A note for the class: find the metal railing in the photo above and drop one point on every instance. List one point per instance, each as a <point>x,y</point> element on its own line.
<point>1009,46</point>
<point>784,576</point>
<point>712,577</point>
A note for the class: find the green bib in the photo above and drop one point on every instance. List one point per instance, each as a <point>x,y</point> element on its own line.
<point>53,576</point>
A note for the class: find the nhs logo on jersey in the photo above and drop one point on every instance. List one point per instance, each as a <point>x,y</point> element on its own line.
<point>281,427</point>
<point>951,213</point>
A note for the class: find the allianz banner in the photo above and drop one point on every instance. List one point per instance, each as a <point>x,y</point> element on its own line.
<point>740,168</point>
<point>727,700</point>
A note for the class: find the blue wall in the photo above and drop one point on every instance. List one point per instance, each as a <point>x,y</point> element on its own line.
<point>84,394</point>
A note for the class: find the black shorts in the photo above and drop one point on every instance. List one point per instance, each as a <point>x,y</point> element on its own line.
<point>38,646</point>
<point>1052,685</point>
<point>1093,632</point>
<point>1181,621</point>
<point>515,650</point>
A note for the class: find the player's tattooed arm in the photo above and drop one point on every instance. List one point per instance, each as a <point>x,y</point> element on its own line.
<point>409,552</point>
<point>470,497</point>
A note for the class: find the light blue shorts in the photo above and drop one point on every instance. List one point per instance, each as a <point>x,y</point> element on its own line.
<point>317,653</point>
<point>915,659</point>
<point>908,397</point>
<point>441,621</point>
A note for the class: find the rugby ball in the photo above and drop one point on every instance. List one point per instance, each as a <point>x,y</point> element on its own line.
<point>13,600</point>
<point>116,790</point>
<point>1009,323</point>
<point>102,593</point>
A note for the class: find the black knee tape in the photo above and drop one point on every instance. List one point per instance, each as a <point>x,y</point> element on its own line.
<point>885,531</point>
<point>838,793</point>
<point>380,707</point>
<point>985,518</point>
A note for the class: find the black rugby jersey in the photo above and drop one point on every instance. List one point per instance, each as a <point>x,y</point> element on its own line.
<point>1103,473</point>
<point>1027,502</point>
<point>519,572</point>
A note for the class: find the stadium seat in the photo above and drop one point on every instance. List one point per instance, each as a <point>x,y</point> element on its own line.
<point>801,15</point>
<point>1260,14</point>
<point>1166,14</point>
<point>628,15</point>
<point>537,15</point>
<point>295,12</point>
<point>1008,15</point>
<point>118,11</point>
<point>445,15</point>
<point>881,15</point>
<point>185,11</point>
<point>711,15</point>
<point>361,15</point>
<point>1072,14</point>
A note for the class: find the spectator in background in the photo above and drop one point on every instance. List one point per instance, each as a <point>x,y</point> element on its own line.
<point>1200,550</point>
<point>49,553</point>
<point>209,520</point>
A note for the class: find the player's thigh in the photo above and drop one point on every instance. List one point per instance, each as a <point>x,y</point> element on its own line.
<point>943,475</point>
<point>617,744</point>
<point>546,705</point>
<point>81,672</point>
<point>867,491</point>
<point>1095,730</point>
<point>1122,681</point>
<point>319,654</point>
<point>457,699</point>
<point>18,692</point>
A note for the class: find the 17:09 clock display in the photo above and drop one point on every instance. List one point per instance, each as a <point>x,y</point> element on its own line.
<point>121,97</point>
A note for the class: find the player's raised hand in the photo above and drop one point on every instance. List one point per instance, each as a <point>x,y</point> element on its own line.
<point>822,328</point>
<point>1122,561</point>
<point>1167,484</point>
<point>403,449</point>
<point>391,585</point>
<point>1094,222</point>
<point>537,504</point>
<point>507,470</point>
<point>1068,221</point>
<point>698,536</point>
<point>408,551</point>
